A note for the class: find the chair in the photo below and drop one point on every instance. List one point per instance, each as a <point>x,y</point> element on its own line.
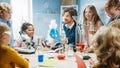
<point>80,62</point>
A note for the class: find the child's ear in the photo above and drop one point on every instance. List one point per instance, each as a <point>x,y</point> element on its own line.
<point>118,8</point>
<point>3,37</point>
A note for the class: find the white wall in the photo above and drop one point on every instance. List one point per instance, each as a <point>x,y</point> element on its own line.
<point>22,11</point>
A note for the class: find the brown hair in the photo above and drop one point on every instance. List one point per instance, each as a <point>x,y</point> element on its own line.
<point>110,4</point>
<point>107,47</point>
<point>3,28</point>
<point>72,12</point>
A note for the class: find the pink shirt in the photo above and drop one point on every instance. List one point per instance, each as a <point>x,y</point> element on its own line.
<point>19,43</point>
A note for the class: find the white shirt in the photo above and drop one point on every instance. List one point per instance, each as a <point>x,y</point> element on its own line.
<point>70,27</point>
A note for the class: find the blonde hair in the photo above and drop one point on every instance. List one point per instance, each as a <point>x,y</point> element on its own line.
<point>107,47</point>
<point>5,7</point>
<point>95,17</point>
<point>94,21</point>
<point>3,28</point>
<point>115,23</point>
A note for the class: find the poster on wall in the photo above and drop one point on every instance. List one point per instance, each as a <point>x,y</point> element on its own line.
<point>43,12</point>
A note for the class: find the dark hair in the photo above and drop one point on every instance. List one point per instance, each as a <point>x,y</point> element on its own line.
<point>72,11</point>
<point>25,26</point>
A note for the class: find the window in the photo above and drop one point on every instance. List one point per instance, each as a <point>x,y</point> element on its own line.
<point>22,11</point>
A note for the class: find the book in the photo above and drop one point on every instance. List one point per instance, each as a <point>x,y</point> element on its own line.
<point>48,63</point>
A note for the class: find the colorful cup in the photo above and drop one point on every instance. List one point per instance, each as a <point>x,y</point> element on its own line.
<point>61,57</point>
<point>40,58</point>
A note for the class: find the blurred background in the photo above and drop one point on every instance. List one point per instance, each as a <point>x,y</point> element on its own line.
<point>41,12</point>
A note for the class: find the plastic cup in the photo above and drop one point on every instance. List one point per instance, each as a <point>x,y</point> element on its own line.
<point>61,57</point>
<point>40,58</point>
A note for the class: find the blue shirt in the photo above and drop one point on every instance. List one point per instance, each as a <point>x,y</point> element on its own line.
<point>110,20</point>
<point>10,25</point>
<point>70,34</point>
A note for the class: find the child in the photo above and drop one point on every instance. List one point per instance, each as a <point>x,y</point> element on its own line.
<point>9,58</point>
<point>26,39</point>
<point>92,23</point>
<point>107,47</point>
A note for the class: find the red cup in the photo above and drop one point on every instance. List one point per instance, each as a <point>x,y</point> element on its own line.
<point>61,57</point>
<point>80,46</point>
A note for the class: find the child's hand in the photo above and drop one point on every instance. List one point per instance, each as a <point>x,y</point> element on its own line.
<point>91,62</point>
<point>64,41</point>
<point>53,41</point>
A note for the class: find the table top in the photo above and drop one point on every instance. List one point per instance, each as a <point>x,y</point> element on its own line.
<point>69,62</point>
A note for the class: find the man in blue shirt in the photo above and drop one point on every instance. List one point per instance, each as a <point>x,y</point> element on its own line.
<point>69,26</point>
<point>5,16</point>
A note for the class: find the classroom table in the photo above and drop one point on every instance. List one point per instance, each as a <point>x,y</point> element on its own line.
<point>69,62</point>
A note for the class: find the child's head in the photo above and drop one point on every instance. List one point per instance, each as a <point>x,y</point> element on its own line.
<point>106,44</point>
<point>90,14</point>
<point>112,8</point>
<point>28,29</point>
<point>4,34</point>
<point>5,11</point>
<point>115,23</point>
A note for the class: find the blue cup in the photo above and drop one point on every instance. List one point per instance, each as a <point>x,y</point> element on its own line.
<point>40,58</point>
